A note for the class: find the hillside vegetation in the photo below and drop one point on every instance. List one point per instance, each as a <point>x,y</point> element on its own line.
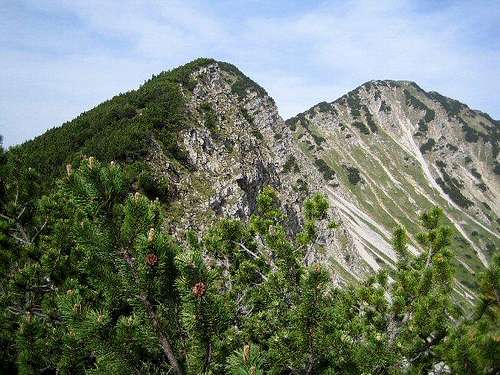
<point>185,228</point>
<point>123,127</point>
<point>92,284</point>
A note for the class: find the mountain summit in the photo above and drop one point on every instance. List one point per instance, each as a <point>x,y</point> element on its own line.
<point>397,149</point>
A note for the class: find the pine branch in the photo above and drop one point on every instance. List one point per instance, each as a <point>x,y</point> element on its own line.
<point>8,218</point>
<point>255,256</point>
<point>208,356</point>
<point>21,213</point>
<point>268,255</point>
<point>164,341</point>
<point>427,347</point>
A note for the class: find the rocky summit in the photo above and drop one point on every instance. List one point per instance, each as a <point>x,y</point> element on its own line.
<point>208,139</point>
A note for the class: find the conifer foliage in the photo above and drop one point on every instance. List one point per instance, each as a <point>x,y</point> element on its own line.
<point>91,283</point>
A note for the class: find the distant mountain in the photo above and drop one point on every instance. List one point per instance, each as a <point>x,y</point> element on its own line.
<point>205,139</point>
<point>396,150</point>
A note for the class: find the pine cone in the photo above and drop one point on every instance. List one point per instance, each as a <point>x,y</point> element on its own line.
<point>69,169</point>
<point>199,289</point>
<point>152,260</point>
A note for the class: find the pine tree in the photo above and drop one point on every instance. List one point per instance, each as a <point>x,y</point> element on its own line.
<point>474,346</point>
<point>204,314</point>
<point>421,293</point>
<point>92,284</point>
<point>21,280</point>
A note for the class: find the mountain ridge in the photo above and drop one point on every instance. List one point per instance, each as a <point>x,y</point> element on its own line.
<point>205,138</point>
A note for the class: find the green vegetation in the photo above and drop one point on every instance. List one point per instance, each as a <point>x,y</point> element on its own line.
<point>496,169</point>
<point>354,103</point>
<point>149,184</point>
<point>327,172</point>
<point>292,122</point>
<point>210,117</point>
<point>242,83</point>
<point>301,186</point>
<point>482,186</point>
<point>429,115</point>
<point>452,187</point>
<point>471,135</point>
<point>427,146</point>
<point>353,174</point>
<point>416,103</point>
<point>453,107</point>
<point>325,107</point>
<point>475,173</point>
<point>247,116</point>
<point>309,127</point>
<point>490,134</point>
<point>317,139</point>
<point>92,283</point>
<point>422,126</point>
<point>291,165</point>
<point>361,127</point>
<point>257,134</point>
<point>369,119</point>
<point>119,129</point>
<point>384,107</point>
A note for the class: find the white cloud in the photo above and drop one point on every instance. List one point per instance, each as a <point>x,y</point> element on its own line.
<point>389,40</point>
<point>51,71</point>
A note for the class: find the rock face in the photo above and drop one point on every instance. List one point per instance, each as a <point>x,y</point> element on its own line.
<point>238,144</point>
<point>382,153</point>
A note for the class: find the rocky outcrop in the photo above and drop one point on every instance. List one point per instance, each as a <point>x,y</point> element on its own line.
<point>237,144</point>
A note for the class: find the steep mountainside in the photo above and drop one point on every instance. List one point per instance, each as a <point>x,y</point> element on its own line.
<point>205,139</point>
<point>396,150</point>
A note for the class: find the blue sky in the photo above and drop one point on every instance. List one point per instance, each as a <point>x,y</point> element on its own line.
<point>59,58</point>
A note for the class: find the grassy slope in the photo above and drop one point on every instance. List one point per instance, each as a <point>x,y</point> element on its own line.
<point>387,203</point>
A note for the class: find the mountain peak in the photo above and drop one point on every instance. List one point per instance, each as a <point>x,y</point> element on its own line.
<point>430,147</point>
<point>183,75</point>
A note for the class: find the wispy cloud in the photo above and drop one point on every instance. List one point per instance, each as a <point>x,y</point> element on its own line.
<point>60,58</point>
